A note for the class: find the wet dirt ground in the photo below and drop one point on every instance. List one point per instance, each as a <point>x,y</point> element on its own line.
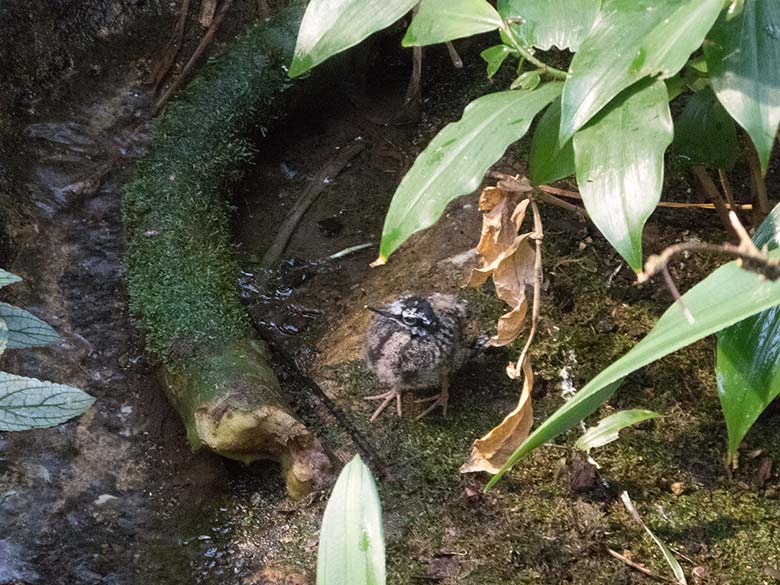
<point>117,496</point>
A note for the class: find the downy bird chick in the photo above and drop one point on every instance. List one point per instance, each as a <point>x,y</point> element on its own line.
<point>416,342</point>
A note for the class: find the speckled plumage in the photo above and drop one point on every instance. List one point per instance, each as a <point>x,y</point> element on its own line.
<point>416,342</point>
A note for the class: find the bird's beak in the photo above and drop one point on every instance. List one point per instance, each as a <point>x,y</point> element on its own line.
<point>380,312</point>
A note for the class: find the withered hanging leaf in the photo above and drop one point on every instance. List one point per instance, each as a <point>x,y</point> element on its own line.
<point>506,257</point>
<point>491,451</point>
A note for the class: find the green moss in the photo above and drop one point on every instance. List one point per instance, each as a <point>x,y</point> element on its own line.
<point>180,260</point>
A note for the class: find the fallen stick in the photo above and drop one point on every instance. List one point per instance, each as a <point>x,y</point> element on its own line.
<point>165,63</point>
<point>185,72</point>
<point>313,190</point>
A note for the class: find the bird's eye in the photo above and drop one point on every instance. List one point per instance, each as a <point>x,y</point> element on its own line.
<point>409,320</point>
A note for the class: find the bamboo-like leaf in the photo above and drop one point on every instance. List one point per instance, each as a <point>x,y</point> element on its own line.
<point>352,545</point>
<point>7,278</point>
<point>438,21</point>
<point>455,161</point>
<point>27,403</point>
<point>331,26</point>
<point>25,329</point>
<point>547,162</point>
<point>619,158</point>
<point>547,23</point>
<point>743,59</point>
<point>727,296</point>
<point>671,560</point>
<point>704,133</point>
<point>631,40</point>
<point>748,359</point>
<point>608,428</point>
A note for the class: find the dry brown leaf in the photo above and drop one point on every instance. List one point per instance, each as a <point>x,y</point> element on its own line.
<point>490,452</point>
<point>506,257</point>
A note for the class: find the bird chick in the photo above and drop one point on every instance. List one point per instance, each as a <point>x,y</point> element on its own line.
<point>416,342</point>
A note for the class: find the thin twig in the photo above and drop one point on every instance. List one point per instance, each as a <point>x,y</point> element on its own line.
<point>360,441</point>
<point>537,237</point>
<point>757,186</point>
<point>761,264</point>
<point>165,63</point>
<point>727,190</point>
<point>575,195</point>
<point>456,60</point>
<point>310,194</point>
<point>204,43</point>
<point>641,568</point>
<point>713,194</point>
<point>676,294</point>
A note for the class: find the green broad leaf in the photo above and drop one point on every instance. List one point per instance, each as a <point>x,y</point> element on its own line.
<point>548,163</point>
<point>619,158</point>
<point>704,133</point>
<point>439,21</point>
<point>631,40</point>
<point>527,80</point>
<point>495,57</point>
<point>27,403</point>
<point>748,358</point>
<point>331,26</point>
<point>457,158</point>
<point>727,296</point>
<point>25,329</point>
<point>547,23</point>
<point>609,428</point>
<point>7,278</point>
<point>743,58</point>
<point>352,542</point>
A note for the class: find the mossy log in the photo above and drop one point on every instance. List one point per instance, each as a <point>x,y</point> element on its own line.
<point>182,269</point>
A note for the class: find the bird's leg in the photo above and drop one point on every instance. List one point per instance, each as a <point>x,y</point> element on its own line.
<point>439,400</point>
<point>387,397</point>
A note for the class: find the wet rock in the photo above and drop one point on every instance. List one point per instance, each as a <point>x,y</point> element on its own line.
<point>13,568</point>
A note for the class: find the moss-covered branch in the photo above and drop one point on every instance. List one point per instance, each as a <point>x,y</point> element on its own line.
<point>180,261</point>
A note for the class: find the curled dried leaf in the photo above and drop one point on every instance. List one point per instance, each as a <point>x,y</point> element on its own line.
<point>490,452</point>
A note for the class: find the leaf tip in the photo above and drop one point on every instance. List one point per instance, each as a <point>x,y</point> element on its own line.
<point>380,261</point>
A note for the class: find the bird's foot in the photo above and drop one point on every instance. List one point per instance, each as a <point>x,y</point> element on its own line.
<point>440,399</point>
<point>387,397</point>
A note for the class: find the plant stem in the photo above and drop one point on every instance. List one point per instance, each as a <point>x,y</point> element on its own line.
<point>529,56</point>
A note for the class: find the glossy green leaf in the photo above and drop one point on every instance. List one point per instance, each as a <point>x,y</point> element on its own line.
<point>25,329</point>
<point>7,278</point>
<point>352,542</point>
<point>748,362</point>
<point>743,58</point>
<point>457,158</point>
<point>630,40</point>
<point>27,403</point>
<point>725,297</point>
<point>547,162</point>
<point>527,80</point>
<point>704,133</point>
<point>608,428</point>
<point>619,158</point>
<point>494,57</point>
<point>547,23</point>
<point>438,21</point>
<point>331,26</point>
